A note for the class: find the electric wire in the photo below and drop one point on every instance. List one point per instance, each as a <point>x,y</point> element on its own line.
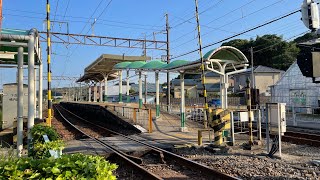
<point>238,34</point>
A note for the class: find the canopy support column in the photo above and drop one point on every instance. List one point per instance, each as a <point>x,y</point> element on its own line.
<point>20,103</point>
<point>100,92</point>
<point>40,99</point>
<point>140,90</point>
<point>182,107</point>
<point>157,95</point>
<point>105,87</point>
<point>30,89</point>
<point>128,87</point>
<point>95,92</point>
<point>35,91</point>
<point>89,92</point>
<point>120,86</point>
<point>225,87</point>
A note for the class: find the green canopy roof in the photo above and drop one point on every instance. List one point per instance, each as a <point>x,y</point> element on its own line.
<point>156,64</point>
<point>9,47</point>
<point>176,63</point>
<point>136,65</point>
<point>226,53</point>
<point>15,31</point>
<point>122,65</point>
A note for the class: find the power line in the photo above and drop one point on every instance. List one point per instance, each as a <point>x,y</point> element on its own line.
<point>214,29</point>
<point>188,20</point>
<point>231,11</point>
<point>251,29</point>
<point>65,12</point>
<point>78,17</point>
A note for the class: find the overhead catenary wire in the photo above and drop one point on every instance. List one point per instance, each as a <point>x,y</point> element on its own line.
<point>74,17</point>
<point>226,24</point>
<point>238,34</point>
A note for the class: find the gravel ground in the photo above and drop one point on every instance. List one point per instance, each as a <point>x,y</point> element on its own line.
<point>294,164</point>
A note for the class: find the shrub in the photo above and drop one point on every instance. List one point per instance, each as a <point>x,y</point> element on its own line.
<point>74,166</point>
<point>39,130</point>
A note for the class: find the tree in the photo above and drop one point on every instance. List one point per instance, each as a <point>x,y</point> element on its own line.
<point>269,50</point>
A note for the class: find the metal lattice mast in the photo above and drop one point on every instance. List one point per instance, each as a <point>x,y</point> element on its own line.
<point>48,66</point>
<point>203,81</point>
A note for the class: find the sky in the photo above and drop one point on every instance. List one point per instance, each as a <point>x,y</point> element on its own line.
<point>219,19</point>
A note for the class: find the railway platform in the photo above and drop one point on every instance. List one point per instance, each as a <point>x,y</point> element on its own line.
<point>166,131</point>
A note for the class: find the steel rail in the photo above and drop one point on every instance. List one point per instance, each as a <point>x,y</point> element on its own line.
<point>116,152</point>
<point>205,170</point>
<point>300,138</point>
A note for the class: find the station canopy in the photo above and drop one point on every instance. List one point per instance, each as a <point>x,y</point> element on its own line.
<point>104,66</point>
<point>11,40</point>
<point>215,59</point>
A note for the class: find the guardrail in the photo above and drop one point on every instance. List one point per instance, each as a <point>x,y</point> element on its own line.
<point>142,117</point>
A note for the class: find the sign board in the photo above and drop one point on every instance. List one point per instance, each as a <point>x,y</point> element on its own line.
<point>244,116</point>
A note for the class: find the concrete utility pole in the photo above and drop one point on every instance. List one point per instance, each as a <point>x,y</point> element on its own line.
<point>252,66</point>
<point>145,77</point>
<point>168,61</point>
<point>249,111</point>
<point>205,118</point>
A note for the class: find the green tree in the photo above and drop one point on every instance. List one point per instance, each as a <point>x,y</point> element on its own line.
<point>269,50</point>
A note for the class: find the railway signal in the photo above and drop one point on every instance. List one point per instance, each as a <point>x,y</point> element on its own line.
<point>310,14</point>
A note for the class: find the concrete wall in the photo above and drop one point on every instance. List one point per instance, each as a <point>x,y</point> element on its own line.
<point>9,106</point>
<point>263,81</point>
<point>190,90</point>
<point>101,116</point>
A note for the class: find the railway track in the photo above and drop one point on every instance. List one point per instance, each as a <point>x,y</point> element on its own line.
<point>159,157</point>
<point>296,137</point>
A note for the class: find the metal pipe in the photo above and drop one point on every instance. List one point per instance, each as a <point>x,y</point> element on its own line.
<point>232,128</point>
<point>157,95</point>
<point>128,87</point>
<point>30,88</point>
<point>20,103</point>
<point>140,90</point>
<point>40,99</point>
<point>182,107</point>
<point>120,86</point>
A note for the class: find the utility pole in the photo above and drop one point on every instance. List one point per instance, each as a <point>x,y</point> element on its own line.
<point>48,121</point>
<point>205,118</point>
<point>145,77</point>
<point>168,61</point>
<point>252,75</point>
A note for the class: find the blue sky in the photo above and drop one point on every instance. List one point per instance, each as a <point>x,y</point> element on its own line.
<point>135,18</point>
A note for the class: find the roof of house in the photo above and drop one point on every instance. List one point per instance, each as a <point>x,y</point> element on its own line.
<point>151,88</point>
<point>187,82</point>
<point>209,87</point>
<point>261,68</point>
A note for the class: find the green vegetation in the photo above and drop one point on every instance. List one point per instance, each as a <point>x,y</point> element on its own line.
<point>75,166</point>
<point>269,50</point>
<point>41,166</point>
<point>40,148</point>
<point>41,129</point>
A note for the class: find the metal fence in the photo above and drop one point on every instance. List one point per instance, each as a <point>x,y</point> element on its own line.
<point>142,117</point>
